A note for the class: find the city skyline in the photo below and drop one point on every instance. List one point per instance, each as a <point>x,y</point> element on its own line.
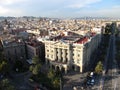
<point>61,8</point>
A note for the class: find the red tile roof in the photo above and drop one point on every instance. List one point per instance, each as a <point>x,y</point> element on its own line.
<point>82,40</point>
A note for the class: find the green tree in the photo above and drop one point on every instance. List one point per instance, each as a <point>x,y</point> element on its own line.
<point>36,69</point>
<point>31,68</point>
<point>51,74</point>
<point>35,60</point>
<point>54,79</point>
<point>5,85</point>
<point>99,67</point>
<point>56,82</point>
<point>108,29</point>
<point>4,66</point>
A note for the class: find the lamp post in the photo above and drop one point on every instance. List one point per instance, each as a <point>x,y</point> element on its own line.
<point>61,83</point>
<point>61,86</point>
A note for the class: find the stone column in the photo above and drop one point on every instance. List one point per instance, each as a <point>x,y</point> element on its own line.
<point>81,69</point>
<point>66,70</point>
<point>55,53</point>
<point>69,56</point>
<point>64,55</point>
<point>76,67</point>
<point>59,54</point>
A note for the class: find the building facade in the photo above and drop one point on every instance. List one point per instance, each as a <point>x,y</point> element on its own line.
<point>75,55</point>
<point>35,48</point>
<point>14,50</point>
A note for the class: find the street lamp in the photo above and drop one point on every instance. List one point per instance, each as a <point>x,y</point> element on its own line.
<point>61,86</point>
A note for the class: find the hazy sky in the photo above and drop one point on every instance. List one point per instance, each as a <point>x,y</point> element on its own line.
<point>60,8</point>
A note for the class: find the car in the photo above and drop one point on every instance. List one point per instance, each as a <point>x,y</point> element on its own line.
<point>91,81</point>
<point>88,82</point>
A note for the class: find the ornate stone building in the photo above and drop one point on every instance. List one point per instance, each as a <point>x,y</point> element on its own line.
<point>71,52</point>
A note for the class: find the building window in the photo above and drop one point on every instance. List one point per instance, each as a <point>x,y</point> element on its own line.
<point>73,61</point>
<point>78,61</point>
<point>47,50</point>
<point>48,56</point>
<point>57,58</point>
<point>66,60</point>
<point>51,56</point>
<point>51,50</point>
<point>61,58</point>
<point>66,53</point>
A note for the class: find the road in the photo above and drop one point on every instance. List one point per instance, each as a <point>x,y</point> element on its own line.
<point>20,81</point>
<point>110,79</point>
<point>73,79</point>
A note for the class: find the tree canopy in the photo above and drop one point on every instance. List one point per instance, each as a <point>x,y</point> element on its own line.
<point>108,29</point>
<point>4,66</point>
<point>99,67</point>
<point>51,74</point>
<point>5,85</point>
<point>35,68</point>
<point>35,60</point>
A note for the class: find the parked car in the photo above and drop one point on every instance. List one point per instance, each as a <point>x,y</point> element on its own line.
<point>91,81</point>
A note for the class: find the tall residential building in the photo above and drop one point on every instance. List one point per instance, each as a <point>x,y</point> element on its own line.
<point>35,48</point>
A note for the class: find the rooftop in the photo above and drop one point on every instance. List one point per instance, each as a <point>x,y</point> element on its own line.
<point>34,43</point>
<point>12,42</point>
<point>73,37</point>
<point>82,40</point>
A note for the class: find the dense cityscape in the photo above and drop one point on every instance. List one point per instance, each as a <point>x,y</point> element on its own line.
<point>59,45</point>
<point>38,53</point>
